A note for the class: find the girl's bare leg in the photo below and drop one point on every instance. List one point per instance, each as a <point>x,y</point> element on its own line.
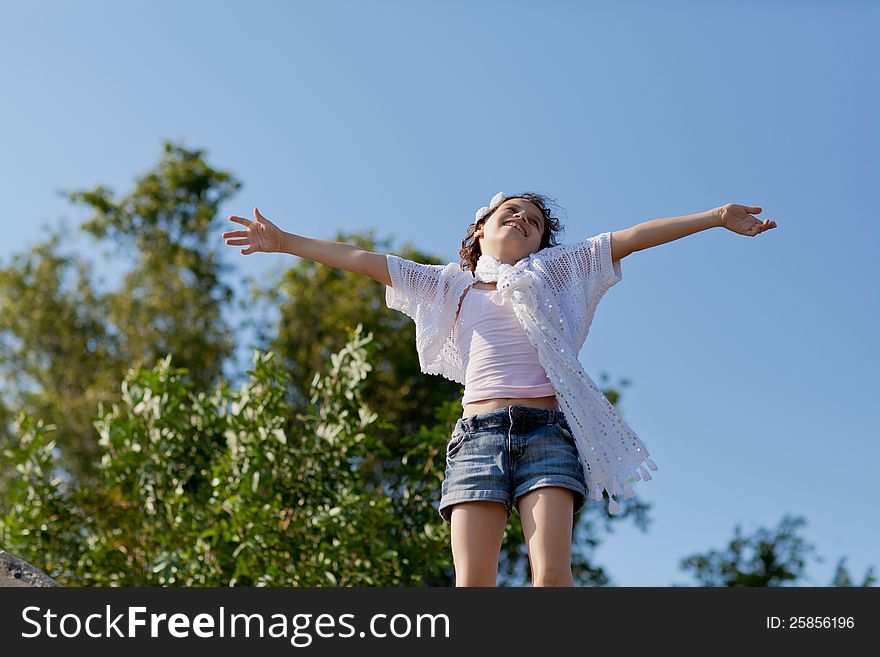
<point>547,526</point>
<point>477,532</point>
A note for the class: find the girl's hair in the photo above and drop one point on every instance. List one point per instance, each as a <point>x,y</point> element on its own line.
<point>470,250</point>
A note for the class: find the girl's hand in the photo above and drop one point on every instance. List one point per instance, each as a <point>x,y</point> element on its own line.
<point>739,219</point>
<point>261,235</point>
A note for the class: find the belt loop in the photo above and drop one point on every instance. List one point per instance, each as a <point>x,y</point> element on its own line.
<point>510,429</point>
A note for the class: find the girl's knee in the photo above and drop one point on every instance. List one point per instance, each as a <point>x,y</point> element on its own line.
<point>554,577</point>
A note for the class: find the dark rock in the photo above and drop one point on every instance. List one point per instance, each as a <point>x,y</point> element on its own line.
<point>15,572</point>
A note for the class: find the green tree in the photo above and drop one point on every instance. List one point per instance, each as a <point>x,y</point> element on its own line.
<point>57,358</point>
<point>843,578</point>
<point>774,557</point>
<point>64,348</point>
<point>171,300</point>
<point>227,488</point>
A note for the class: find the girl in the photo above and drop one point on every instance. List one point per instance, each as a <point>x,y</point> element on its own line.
<point>507,323</point>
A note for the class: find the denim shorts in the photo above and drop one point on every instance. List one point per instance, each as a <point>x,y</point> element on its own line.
<point>502,454</point>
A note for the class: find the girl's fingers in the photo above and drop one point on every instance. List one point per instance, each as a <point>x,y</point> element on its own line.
<point>234,233</point>
<point>237,242</point>
<point>240,220</point>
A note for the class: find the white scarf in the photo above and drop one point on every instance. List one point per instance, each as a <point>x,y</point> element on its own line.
<point>607,448</point>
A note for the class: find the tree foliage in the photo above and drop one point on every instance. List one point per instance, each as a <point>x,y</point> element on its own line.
<point>58,359</point>
<point>229,488</point>
<point>769,557</point>
<point>64,347</point>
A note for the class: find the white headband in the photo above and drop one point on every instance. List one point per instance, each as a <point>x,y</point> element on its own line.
<point>497,200</point>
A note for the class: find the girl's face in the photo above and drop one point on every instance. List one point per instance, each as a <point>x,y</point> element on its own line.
<point>512,231</point>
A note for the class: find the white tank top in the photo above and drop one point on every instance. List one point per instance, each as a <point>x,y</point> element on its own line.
<point>499,360</point>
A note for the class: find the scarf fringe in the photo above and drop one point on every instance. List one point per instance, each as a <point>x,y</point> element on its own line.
<point>613,486</point>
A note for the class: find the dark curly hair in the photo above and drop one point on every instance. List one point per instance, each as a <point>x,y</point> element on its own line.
<point>470,250</point>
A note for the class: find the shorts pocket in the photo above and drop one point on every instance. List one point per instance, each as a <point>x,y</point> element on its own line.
<point>454,444</point>
<point>566,434</point>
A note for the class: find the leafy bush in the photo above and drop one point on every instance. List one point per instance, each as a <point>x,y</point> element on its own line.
<point>232,488</point>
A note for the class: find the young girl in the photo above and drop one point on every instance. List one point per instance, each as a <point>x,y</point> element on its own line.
<point>508,323</point>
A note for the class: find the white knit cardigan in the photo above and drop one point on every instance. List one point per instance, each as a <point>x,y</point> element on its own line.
<point>573,278</point>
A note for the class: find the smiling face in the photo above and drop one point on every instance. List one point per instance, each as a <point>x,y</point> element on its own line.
<point>512,231</point>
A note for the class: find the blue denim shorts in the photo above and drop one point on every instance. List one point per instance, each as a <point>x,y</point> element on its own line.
<point>502,454</point>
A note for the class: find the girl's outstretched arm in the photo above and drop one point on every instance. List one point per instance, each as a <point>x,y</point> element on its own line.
<point>736,218</point>
<point>264,236</point>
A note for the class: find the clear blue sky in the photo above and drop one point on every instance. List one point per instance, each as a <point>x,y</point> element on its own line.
<point>753,364</point>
